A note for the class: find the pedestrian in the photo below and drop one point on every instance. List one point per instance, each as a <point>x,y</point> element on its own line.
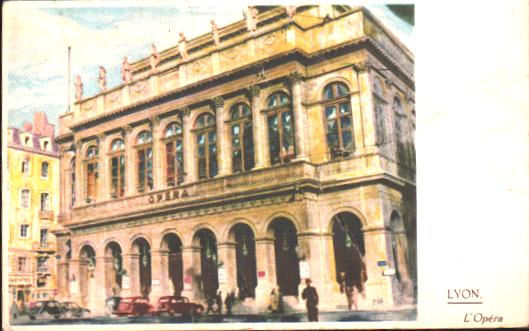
<point>14,310</point>
<point>218,300</point>
<point>311,296</point>
<point>274,301</point>
<point>230,299</point>
<point>346,288</point>
<point>209,300</point>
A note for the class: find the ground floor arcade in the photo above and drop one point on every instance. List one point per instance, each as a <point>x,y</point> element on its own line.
<point>362,237</point>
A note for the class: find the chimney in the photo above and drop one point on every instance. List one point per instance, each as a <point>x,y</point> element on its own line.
<point>41,125</point>
<point>27,127</point>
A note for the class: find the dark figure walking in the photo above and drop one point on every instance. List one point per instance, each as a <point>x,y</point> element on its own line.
<point>218,300</point>
<point>311,295</point>
<point>230,299</point>
<point>210,304</point>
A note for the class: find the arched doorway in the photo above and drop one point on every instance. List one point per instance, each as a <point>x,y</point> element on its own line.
<point>287,262</point>
<point>245,259</point>
<point>141,261</point>
<point>208,261</point>
<point>114,270</point>
<point>173,246</point>
<point>349,250</point>
<point>87,263</point>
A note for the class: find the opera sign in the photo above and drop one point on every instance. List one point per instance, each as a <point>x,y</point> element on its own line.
<point>167,196</point>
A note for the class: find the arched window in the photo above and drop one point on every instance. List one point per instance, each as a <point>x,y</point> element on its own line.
<point>241,138</point>
<point>398,115</point>
<point>92,173</point>
<point>206,146</point>
<point>174,154</point>
<point>117,168</point>
<point>339,120</point>
<point>72,182</point>
<point>44,169</point>
<point>280,129</point>
<point>145,157</point>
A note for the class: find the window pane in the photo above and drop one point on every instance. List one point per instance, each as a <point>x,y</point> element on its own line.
<point>342,90</point>
<point>201,139</point>
<point>202,168</point>
<point>330,112</point>
<point>235,130</point>
<point>344,108</point>
<point>347,140</point>
<point>235,113</point>
<point>345,122</point>
<point>201,151</point>
<point>327,93</point>
<point>332,140</point>
<point>332,127</point>
<point>212,136</point>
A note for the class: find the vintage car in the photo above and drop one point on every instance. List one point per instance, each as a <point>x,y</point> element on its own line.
<point>111,304</point>
<point>45,309</point>
<point>133,306</point>
<point>71,309</point>
<point>176,305</point>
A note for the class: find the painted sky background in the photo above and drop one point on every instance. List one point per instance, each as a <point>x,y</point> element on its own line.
<point>36,42</point>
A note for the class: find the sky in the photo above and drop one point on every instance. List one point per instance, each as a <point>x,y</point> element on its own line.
<point>37,36</point>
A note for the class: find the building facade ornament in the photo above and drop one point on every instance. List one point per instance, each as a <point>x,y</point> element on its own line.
<point>155,57</point>
<point>185,111</point>
<point>255,91</point>
<point>126,71</point>
<point>296,77</point>
<point>215,32</point>
<point>218,102</point>
<point>182,46</point>
<point>102,79</point>
<point>78,88</point>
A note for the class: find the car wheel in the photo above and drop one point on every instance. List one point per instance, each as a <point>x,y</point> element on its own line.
<point>68,314</point>
<point>32,317</point>
<point>85,314</point>
<point>45,315</point>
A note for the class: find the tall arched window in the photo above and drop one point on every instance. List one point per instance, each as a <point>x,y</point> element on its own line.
<point>380,114</point>
<point>174,154</point>
<point>145,157</point>
<point>206,146</point>
<point>92,173</point>
<point>339,120</point>
<point>241,138</point>
<point>117,168</point>
<point>72,182</point>
<point>398,115</point>
<point>280,129</point>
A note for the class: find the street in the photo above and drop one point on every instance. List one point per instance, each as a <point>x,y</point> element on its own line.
<point>338,316</point>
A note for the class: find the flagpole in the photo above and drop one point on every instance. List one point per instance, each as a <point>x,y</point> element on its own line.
<point>69,77</point>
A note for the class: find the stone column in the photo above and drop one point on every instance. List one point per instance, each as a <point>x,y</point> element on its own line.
<point>134,273</point>
<point>223,142</point>
<point>63,279</point>
<point>266,271</point>
<point>159,275</point>
<point>96,288</point>
<point>74,288</point>
<point>189,147</point>
<point>300,116</point>
<point>258,126</point>
<point>364,123</point>
<point>130,165</point>
<point>191,266</point>
<point>379,287</point>
<point>227,255</point>
<point>126,285</point>
<point>157,150</point>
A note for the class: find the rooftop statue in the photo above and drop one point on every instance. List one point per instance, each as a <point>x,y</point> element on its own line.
<point>102,79</point>
<point>78,88</point>
<point>215,32</point>
<point>250,14</point>
<point>182,46</point>
<point>155,57</point>
<point>291,11</point>
<point>126,71</point>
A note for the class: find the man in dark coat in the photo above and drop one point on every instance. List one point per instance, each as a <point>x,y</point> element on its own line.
<point>311,296</point>
<point>218,301</point>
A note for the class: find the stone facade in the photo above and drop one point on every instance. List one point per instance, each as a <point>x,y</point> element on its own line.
<point>273,156</point>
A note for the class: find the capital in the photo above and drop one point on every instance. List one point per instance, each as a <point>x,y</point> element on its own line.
<point>362,66</point>
<point>295,77</point>
<point>218,102</point>
<point>255,90</point>
<point>185,111</point>
<point>127,129</point>
<point>100,138</point>
<point>155,120</point>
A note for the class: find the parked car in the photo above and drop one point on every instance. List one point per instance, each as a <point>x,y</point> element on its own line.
<point>134,306</point>
<point>71,309</point>
<point>45,309</point>
<point>111,304</point>
<point>176,305</point>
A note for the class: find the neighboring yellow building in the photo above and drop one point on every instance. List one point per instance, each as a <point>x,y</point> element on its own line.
<point>33,200</point>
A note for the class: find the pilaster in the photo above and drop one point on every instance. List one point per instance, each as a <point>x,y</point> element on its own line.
<point>191,266</point>
<point>266,271</point>
<point>300,116</point>
<point>223,145</point>
<point>189,146</point>
<point>157,168</point>
<point>227,255</point>
<point>258,128</point>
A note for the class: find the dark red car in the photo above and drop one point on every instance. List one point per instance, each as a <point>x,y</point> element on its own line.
<point>133,306</point>
<point>177,305</point>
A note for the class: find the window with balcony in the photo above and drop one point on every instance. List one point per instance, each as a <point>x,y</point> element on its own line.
<point>92,173</point>
<point>145,157</point>
<point>24,198</point>
<point>117,168</point>
<point>206,146</point>
<point>44,169</point>
<point>44,202</point>
<point>280,129</point>
<point>24,230</point>
<point>174,154</point>
<point>22,264</point>
<point>241,138</point>
<point>339,122</point>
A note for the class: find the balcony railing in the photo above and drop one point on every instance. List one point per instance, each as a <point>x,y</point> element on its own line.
<point>47,246</point>
<point>46,215</point>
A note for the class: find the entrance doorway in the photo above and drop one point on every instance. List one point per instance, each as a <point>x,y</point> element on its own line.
<point>349,250</point>
<point>208,262</point>
<point>173,245</point>
<point>245,260</point>
<point>142,249</point>
<point>87,263</point>
<point>287,262</point>
<point>114,270</point>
